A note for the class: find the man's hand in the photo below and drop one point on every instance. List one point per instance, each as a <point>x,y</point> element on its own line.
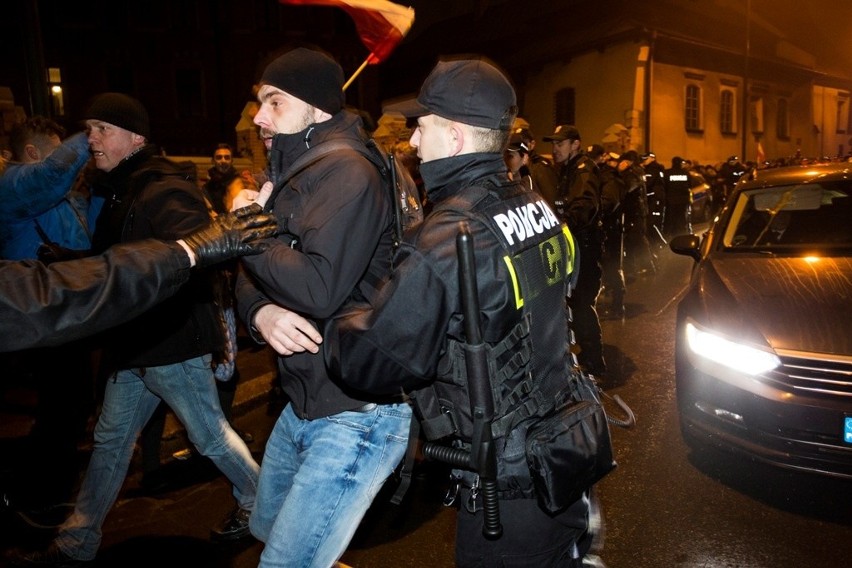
<point>285,331</point>
<point>230,235</point>
<point>248,197</point>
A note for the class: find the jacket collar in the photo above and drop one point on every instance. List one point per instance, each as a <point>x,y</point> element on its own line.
<point>287,147</point>
<point>117,180</point>
<point>447,176</point>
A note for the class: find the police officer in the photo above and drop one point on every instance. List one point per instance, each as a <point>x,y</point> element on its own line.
<point>655,189</point>
<point>728,176</point>
<point>678,198</point>
<point>638,255</point>
<point>523,258</point>
<point>613,192</point>
<point>579,206</point>
<point>540,169</point>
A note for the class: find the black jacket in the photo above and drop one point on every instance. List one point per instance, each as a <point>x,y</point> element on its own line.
<point>50,305</point>
<point>677,186</point>
<point>148,196</point>
<point>408,338</point>
<point>579,194</point>
<point>336,247</point>
<point>403,343</point>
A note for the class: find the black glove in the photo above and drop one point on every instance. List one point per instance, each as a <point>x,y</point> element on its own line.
<point>233,234</point>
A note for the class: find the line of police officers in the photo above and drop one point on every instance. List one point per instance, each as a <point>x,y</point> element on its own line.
<point>621,208</point>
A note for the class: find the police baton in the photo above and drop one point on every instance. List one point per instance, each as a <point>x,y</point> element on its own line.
<point>482,457</point>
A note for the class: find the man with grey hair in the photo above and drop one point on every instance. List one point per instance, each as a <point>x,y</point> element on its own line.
<point>165,353</point>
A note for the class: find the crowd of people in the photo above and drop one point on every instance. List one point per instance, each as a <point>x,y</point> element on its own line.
<point>100,230</point>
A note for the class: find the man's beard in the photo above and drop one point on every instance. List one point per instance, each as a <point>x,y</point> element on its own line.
<point>304,122</point>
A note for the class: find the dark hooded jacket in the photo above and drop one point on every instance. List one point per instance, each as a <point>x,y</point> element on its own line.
<point>148,196</point>
<point>335,249</point>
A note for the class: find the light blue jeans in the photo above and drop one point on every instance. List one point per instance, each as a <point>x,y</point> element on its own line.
<point>129,400</point>
<point>318,478</point>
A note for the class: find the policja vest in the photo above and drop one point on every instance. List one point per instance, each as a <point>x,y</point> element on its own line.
<point>531,365</point>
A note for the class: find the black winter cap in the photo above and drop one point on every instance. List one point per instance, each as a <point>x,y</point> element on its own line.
<point>120,110</point>
<point>308,75</point>
<point>470,91</point>
<point>563,132</point>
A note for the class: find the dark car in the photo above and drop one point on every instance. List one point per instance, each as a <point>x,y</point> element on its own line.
<point>764,331</point>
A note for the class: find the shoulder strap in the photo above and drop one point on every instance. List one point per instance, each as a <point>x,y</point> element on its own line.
<point>310,157</point>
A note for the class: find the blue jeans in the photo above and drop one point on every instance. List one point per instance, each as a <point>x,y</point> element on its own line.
<point>129,400</point>
<point>318,478</point>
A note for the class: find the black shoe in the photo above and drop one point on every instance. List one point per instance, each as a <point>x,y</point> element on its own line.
<point>234,527</point>
<point>51,556</point>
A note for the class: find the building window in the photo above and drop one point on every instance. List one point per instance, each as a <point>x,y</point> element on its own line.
<point>727,112</point>
<point>190,98</point>
<point>54,83</point>
<point>692,111</point>
<point>782,120</point>
<point>564,106</point>
<point>842,115</point>
<point>757,119</point>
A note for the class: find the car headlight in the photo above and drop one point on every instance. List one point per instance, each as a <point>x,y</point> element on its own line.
<point>742,358</point>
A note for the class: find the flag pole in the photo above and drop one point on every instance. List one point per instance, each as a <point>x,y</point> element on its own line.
<point>357,72</point>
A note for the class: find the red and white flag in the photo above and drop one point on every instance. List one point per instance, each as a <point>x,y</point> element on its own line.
<point>761,155</point>
<point>381,24</point>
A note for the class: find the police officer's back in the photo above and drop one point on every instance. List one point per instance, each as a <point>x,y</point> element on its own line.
<point>678,198</point>
<point>461,134</point>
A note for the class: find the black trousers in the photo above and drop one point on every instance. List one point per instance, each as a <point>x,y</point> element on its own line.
<point>586,325</point>
<point>531,538</point>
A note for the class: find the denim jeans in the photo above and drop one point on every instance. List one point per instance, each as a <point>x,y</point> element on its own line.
<point>130,398</point>
<point>318,478</point>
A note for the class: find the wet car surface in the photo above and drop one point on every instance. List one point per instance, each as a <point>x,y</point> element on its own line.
<point>763,344</point>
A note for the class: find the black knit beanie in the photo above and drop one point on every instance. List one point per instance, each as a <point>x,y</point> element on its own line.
<point>309,75</point>
<point>120,110</point>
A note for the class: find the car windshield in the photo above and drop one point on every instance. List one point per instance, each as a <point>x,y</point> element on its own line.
<point>812,215</point>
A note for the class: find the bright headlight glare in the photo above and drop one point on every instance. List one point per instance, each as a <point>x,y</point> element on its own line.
<point>739,357</point>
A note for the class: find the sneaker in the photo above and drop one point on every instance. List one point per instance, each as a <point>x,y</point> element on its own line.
<point>51,556</point>
<point>234,527</point>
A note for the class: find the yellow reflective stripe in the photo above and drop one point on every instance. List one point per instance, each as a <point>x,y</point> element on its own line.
<point>519,301</point>
<point>569,266</point>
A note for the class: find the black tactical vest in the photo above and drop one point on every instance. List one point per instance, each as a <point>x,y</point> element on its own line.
<point>531,364</point>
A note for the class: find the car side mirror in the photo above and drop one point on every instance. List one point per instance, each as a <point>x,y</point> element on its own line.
<point>688,245</point>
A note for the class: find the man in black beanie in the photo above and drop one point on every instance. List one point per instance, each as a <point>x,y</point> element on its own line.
<point>163,354</point>
<point>332,447</point>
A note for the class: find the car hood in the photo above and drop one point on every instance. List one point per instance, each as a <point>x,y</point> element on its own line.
<point>791,302</point>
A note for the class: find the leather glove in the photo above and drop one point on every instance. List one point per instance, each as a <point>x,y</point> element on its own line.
<point>232,234</point>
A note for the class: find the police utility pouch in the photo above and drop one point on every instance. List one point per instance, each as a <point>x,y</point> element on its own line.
<point>570,449</point>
